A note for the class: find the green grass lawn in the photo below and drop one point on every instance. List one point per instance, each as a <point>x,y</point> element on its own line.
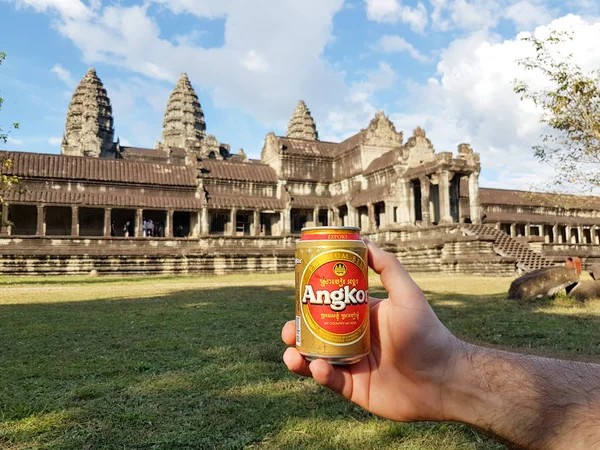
<point>195,363</point>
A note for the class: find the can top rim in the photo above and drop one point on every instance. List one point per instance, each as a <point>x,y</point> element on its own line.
<point>331,228</point>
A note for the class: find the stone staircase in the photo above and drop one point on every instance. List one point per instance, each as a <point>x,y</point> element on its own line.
<point>527,260</point>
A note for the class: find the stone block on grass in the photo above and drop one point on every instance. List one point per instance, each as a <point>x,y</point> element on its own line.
<point>542,283</point>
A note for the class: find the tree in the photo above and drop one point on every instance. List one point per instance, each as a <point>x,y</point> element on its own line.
<point>6,181</point>
<point>571,109</point>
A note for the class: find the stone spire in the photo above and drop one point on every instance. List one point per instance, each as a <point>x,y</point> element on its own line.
<point>302,125</point>
<point>184,119</point>
<point>89,129</point>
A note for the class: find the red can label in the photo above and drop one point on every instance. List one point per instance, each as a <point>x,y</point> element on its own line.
<point>334,297</point>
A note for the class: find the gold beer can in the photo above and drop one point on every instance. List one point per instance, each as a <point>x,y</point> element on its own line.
<point>332,295</point>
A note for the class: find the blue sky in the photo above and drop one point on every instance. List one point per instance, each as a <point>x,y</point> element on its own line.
<point>445,65</point>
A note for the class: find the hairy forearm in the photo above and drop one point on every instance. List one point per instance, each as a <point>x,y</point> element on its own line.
<point>532,402</point>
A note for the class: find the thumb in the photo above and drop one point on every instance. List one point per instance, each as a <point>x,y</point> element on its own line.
<point>400,287</point>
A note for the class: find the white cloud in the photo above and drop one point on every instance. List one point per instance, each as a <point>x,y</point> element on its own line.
<point>397,44</point>
<point>472,100</point>
<point>478,15</point>
<point>527,15</point>
<point>64,75</point>
<point>55,141</point>
<point>130,38</point>
<point>392,11</point>
<point>463,14</point>
<point>358,109</point>
<point>255,62</point>
<point>69,9</point>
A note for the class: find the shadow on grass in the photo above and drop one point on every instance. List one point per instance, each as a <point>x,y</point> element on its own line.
<point>202,369</point>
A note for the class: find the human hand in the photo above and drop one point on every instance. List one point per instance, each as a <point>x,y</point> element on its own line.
<point>412,353</point>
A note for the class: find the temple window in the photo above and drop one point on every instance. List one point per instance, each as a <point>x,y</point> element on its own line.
<point>91,222</point>
<point>58,221</point>
<point>218,222</point>
<point>23,219</point>
<point>181,224</point>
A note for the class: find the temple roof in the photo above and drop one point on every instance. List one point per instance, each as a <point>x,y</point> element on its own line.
<point>525,198</point>
<point>63,197</point>
<point>384,161</point>
<point>303,147</point>
<point>302,125</point>
<point>228,170</point>
<point>244,201</point>
<point>79,168</point>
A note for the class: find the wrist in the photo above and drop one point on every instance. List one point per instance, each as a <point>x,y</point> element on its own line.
<point>463,398</point>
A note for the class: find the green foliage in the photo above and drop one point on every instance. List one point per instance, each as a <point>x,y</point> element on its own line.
<point>571,108</point>
<point>6,181</point>
<point>15,126</point>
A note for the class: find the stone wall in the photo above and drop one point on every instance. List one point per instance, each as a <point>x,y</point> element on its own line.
<point>453,254</point>
<point>436,249</point>
<point>68,256</point>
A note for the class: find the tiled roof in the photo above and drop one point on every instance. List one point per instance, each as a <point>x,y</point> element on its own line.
<point>386,160</point>
<point>350,143</point>
<point>227,170</point>
<point>523,198</point>
<point>303,147</point>
<point>539,219</point>
<point>103,199</point>
<point>372,195</point>
<point>240,201</point>
<point>35,165</point>
<point>311,202</point>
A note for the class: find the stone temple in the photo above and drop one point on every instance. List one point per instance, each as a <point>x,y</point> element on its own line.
<point>214,211</point>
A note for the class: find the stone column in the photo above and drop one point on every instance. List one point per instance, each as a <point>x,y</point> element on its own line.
<point>139,217</point>
<point>407,205</point>
<point>425,190</point>
<point>75,221</point>
<point>474,204</point>
<point>169,224</point>
<point>513,230</point>
<point>4,229</point>
<point>204,225</point>
<point>389,215</point>
<point>256,223</point>
<point>233,222</point>
<point>527,229</point>
<point>580,237</point>
<point>352,219</point>
<point>316,216</point>
<point>285,226</point>
<point>593,232</point>
<point>41,221</point>
<point>568,234</point>
<point>331,216</point>
<point>371,216</point>
<point>195,222</point>
<point>554,239</point>
<point>444,190</point>
<point>107,221</point>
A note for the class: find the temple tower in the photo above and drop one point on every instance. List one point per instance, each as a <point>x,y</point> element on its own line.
<point>184,119</point>
<point>302,125</point>
<point>89,129</point>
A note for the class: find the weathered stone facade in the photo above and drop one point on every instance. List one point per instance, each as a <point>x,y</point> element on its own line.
<point>190,205</point>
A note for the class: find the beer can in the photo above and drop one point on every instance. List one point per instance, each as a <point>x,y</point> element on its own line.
<point>332,297</point>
